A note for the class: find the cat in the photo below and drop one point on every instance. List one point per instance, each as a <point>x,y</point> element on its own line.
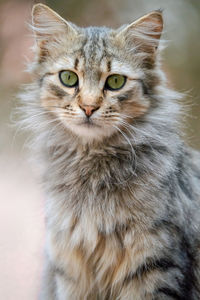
<point>122,188</point>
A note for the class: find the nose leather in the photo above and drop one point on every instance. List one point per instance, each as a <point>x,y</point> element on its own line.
<point>88,109</point>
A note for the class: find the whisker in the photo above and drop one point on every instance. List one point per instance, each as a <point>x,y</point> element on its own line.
<point>145,136</point>
<point>131,146</point>
<point>127,116</point>
<point>26,124</point>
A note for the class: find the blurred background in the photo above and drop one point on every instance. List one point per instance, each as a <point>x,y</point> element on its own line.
<point>21,200</point>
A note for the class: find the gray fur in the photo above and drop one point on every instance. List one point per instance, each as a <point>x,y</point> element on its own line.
<point>135,190</point>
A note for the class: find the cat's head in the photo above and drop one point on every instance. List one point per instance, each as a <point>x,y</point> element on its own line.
<point>96,81</point>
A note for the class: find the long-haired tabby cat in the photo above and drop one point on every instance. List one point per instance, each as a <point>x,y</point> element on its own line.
<point>123,191</point>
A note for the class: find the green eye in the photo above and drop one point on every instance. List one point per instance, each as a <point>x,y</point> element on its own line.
<point>115,82</point>
<point>68,78</point>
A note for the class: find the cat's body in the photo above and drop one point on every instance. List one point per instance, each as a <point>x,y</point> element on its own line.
<point>123,199</point>
<point>98,241</point>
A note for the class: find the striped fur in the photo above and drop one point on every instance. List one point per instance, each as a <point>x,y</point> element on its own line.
<point>122,211</point>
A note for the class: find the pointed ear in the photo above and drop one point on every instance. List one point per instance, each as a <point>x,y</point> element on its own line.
<point>143,35</point>
<point>48,27</point>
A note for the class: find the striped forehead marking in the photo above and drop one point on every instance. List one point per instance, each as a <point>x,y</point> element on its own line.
<point>76,62</point>
<point>95,48</point>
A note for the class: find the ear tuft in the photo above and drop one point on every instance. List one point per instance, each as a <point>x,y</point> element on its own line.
<point>150,24</point>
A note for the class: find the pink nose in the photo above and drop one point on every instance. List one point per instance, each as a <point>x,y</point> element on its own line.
<point>88,109</point>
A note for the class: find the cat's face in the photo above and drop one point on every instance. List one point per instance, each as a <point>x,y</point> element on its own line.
<point>95,80</point>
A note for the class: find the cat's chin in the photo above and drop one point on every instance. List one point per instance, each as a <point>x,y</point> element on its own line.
<point>89,132</point>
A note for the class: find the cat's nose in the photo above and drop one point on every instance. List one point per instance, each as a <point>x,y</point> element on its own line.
<point>89,109</point>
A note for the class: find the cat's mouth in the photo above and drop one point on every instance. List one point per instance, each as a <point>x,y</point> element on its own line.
<point>89,123</point>
<point>90,128</point>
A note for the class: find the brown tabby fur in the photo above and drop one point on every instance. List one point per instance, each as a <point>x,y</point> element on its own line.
<point>122,211</point>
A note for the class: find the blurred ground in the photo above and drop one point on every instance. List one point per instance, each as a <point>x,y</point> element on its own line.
<point>21,200</point>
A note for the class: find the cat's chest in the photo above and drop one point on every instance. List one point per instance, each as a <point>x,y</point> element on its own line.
<point>96,230</point>
<point>83,251</point>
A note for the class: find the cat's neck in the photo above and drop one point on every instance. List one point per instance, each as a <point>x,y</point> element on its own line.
<point>115,161</point>
<point>104,176</point>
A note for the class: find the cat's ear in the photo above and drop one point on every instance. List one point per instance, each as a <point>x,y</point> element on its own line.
<point>143,35</point>
<point>47,22</point>
<point>48,27</point>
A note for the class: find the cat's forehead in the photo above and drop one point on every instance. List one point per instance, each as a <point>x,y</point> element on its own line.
<point>95,45</point>
<point>92,54</point>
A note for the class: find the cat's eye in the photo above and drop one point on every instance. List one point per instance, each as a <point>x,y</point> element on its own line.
<point>68,78</point>
<point>115,82</point>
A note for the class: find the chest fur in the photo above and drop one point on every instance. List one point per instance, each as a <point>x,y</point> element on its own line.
<point>97,259</point>
<point>98,221</point>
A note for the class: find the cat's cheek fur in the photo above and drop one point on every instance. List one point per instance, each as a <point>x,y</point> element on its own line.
<point>135,109</point>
